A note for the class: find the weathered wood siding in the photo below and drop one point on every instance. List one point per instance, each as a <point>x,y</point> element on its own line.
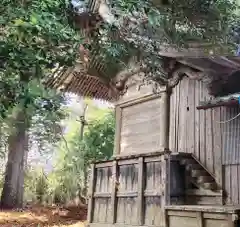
<point>231,136</point>
<point>103,186</point>
<point>140,128</point>
<point>231,155</point>
<point>201,216</point>
<point>137,198</point>
<point>135,89</point>
<point>195,131</point>
<point>215,144</point>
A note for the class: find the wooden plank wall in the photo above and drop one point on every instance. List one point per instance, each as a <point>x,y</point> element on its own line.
<point>231,155</point>
<point>140,129</point>
<point>216,145</point>
<point>193,130</point>
<point>103,188</point>
<point>140,195</point>
<point>135,89</point>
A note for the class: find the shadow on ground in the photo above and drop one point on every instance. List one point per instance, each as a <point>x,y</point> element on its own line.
<point>39,216</point>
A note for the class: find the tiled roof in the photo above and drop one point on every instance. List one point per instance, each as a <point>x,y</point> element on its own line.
<point>81,84</point>
<point>91,86</point>
<point>218,64</point>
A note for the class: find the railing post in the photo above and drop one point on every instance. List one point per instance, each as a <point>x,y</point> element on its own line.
<point>114,192</point>
<point>140,197</point>
<point>165,198</point>
<point>91,194</point>
<point>200,219</point>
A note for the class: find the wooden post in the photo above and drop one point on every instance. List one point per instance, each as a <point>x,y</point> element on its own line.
<point>232,218</point>
<point>166,218</point>
<point>140,198</point>
<point>200,219</point>
<point>91,193</point>
<point>118,120</point>
<point>165,198</point>
<point>164,121</point>
<point>114,191</point>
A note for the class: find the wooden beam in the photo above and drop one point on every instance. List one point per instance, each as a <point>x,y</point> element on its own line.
<point>164,102</point>
<point>90,195</point>
<point>118,117</point>
<point>232,220</point>
<point>102,195</point>
<point>200,220</point>
<point>140,204</point>
<point>114,191</point>
<point>223,103</point>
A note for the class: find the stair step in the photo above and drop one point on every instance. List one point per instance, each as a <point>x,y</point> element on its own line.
<point>187,161</point>
<point>205,179</point>
<point>199,172</point>
<point>210,186</point>
<point>193,166</point>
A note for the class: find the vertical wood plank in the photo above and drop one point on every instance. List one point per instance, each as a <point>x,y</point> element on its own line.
<point>238,181</point>
<point>113,194</point>
<point>165,188</point>
<point>172,128</point>
<point>164,121</point>
<point>91,192</point>
<point>197,122</point>
<point>234,173</point>
<point>202,127</point>
<point>231,221</point>
<point>177,114</point>
<point>227,183</point>
<point>118,116</point>
<point>191,112</point>
<point>217,133</point>
<point>200,219</point>
<point>166,219</point>
<point>209,142</point>
<point>140,191</point>
<point>186,114</point>
<point>182,123</point>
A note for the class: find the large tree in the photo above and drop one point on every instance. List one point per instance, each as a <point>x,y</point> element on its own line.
<point>35,36</point>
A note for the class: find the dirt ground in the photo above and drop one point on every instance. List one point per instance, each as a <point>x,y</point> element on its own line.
<point>38,216</point>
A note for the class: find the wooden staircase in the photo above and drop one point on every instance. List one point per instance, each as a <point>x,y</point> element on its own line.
<point>197,174</point>
<point>199,182</point>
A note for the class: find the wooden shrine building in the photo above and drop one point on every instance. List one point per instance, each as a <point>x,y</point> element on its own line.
<point>177,151</point>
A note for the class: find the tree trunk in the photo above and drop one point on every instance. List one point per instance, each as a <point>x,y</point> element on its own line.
<point>12,194</point>
<point>23,165</point>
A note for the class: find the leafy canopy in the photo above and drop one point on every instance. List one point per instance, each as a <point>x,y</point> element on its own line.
<point>35,35</point>
<point>145,28</point>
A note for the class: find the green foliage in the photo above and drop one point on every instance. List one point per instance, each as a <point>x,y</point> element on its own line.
<point>47,111</point>
<point>177,22</point>
<point>68,177</point>
<point>35,185</point>
<point>98,141</point>
<point>144,28</point>
<point>41,187</point>
<point>35,36</point>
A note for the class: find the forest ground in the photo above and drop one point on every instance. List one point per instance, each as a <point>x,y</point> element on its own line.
<point>39,216</point>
